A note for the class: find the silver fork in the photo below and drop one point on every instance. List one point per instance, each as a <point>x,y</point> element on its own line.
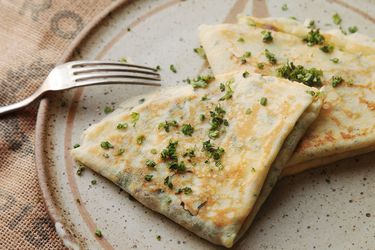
<point>85,73</point>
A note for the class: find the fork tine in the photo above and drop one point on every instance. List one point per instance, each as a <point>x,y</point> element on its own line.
<point>78,64</point>
<point>124,75</point>
<point>84,70</point>
<point>103,81</point>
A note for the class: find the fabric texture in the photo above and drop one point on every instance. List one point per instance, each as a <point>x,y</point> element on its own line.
<point>33,37</point>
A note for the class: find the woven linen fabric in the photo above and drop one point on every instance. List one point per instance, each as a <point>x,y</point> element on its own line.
<point>34,34</point>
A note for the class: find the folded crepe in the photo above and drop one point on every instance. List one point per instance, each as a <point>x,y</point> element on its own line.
<point>343,64</point>
<point>207,157</point>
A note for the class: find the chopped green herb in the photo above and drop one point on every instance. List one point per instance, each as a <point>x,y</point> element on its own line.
<point>212,152</point>
<point>245,74</point>
<point>187,129</point>
<point>241,40</point>
<point>327,48</point>
<point>253,170</point>
<point>172,68</point>
<point>180,167</point>
<point>248,111</point>
<point>98,233</point>
<point>334,60</point>
<point>263,101</point>
<point>158,237</point>
<point>267,36</point>
<point>169,153</point>
<point>134,116</point>
<point>154,151</point>
<point>336,80</point>
<point>260,65</point>
<point>123,60</point>
<point>314,37</point>
<point>229,92</point>
<point>189,153</point>
<point>123,125</point>
<point>310,92</point>
<point>201,81</point>
<point>150,163</point>
<point>140,139</point>
<point>105,155</point>
<point>142,100</point>
<point>342,30</point>
<point>185,190</point>
<point>108,110</point>
<point>80,170</point>
<point>120,151</point>
<point>353,29</point>
<point>311,25</point>
<point>309,77</point>
<point>167,125</point>
<point>158,68</point>
<point>217,122</point>
<point>336,18</point>
<point>106,145</point>
<point>244,57</point>
<point>270,56</point>
<point>76,145</point>
<point>202,117</point>
<point>200,52</point>
<point>293,17</point>
<point>204,98</point>
<point>168,182</point>
<point>93,182</point>
<point>148,177</point>
<point>222,87</point>
<point>284,7</point>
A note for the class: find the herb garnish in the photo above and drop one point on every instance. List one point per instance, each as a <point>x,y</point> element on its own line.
<point>309,77</point>
<point>311,24</point>
<point>248,111</point>
<point>158,68</point>
<point>140,139</point>
<point>336,80</point>
<point>284,7</point>
<point>80,170</point>
<point>169,153</point>
<point>260,65</point>
<point>201,81</point>
<point>241,40</point>
<point>217,121</point>
<point>229,92</point>
<point>187,129</point>
<point>270,56</point>
<point>314,37</point>
<point>334,60</point>
<point>245,74</point>
<point>154,151</point>
<point>148,177</point>
<point>122,125</point>
<point>202,117</point>
<point>353,29</point>
<point>167,124</point>
<point>212,152</point>
<point>123,60</point>
<point>168,182</point>
<point>263,101</point>
<point>173,68</point>
<point>134,116</point>
<point>204,98</point>
<point>200,52</point>
<point>93,182</point>
<point>120,151</point>
<point>108,109</point>
<point>189,153</point>
<point>179,167</point>
<point>327,48</point>
<point>76,145</point>
<point>98,233</point>
<point>336,18</point>
<point>158,237</point>
<point>185,190</point>
<point>246,55</point>
<point>106,145</point>
<point>267,36</point>
<point>150,163</point>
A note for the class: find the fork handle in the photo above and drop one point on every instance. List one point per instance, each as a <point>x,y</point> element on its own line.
<point>19,105</point>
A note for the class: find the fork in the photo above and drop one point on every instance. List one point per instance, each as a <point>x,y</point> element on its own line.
<point>86,73</point>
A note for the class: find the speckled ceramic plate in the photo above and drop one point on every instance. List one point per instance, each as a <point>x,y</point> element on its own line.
<point>331,207</point>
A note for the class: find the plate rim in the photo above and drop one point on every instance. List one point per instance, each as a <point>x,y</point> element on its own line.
<point>41,118</point>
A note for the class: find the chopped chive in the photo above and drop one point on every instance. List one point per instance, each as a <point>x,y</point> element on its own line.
<point>263,101</point>
<point>172,68</point>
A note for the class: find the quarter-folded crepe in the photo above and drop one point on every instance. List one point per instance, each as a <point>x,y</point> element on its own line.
<point>343,64</point>
<point>205,158</point>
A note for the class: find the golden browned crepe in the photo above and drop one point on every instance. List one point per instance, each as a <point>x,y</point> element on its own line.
<point>205,158</point>
<point>345,63</point>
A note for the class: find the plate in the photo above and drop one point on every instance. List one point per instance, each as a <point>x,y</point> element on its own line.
<point>330,207</point>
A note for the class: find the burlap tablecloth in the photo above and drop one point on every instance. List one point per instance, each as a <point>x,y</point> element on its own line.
<point>34,35</point>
